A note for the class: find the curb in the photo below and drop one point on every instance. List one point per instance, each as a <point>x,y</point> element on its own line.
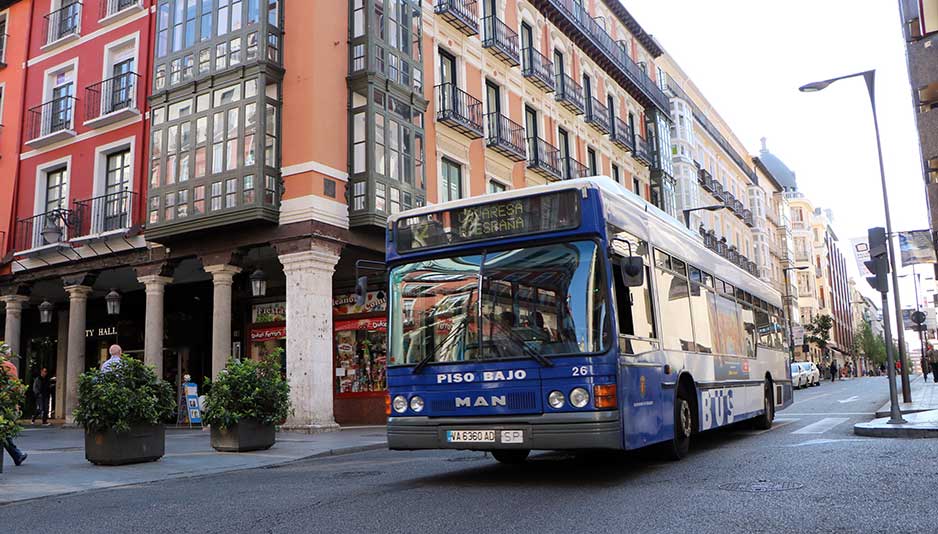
<point>897,431</point>
<point>886,413</point>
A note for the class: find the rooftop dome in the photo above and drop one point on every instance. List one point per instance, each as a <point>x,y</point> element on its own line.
<point>781,172</point>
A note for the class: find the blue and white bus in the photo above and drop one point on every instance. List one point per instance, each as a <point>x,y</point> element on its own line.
<point>571,316</point>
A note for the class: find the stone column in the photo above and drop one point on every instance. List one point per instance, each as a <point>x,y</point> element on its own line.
<point>75,358</point>
<point>61,363</point>
<point>309,337</point>
<point>153,328</point>
<point>222,277</point>
<point>14,320</point>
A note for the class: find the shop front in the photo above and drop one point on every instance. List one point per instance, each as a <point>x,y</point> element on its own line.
<point>360,354</point>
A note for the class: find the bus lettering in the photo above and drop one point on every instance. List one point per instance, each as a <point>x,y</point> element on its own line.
<point>455,378</point>
<point>511,374</point>
<point>468,402</point>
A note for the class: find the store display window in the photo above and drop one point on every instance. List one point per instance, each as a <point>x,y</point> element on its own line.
<point>360,346</point>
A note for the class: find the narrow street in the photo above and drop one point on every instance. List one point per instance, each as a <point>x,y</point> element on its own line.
<point>810,460</point>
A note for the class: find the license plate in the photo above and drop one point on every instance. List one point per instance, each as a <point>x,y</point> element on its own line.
<point>470,436</point>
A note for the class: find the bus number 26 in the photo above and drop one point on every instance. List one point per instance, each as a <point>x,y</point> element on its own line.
<point>582,370</point>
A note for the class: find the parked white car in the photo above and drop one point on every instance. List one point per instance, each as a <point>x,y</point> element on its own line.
<point>799,378</point>
<point>812,373</point>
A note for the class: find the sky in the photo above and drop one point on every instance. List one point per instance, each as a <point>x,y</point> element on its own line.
<point>749,57</point>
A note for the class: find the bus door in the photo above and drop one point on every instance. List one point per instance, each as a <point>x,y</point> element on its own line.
<point>642,402</point>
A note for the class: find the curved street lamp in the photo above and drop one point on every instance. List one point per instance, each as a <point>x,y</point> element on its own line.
<point>687,212</point>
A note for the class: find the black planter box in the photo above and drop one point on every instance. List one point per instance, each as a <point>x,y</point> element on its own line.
<point>143,443</point>
<point>246,435</point>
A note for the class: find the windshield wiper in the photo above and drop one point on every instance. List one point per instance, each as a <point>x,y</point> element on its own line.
<point>444,343</point>
<point>539,358</point>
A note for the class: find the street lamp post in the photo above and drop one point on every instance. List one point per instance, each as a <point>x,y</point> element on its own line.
<point>791,333</point>
<point>687,212</point>
<point>870,77</point>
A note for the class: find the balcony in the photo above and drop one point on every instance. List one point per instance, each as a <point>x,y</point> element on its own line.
<point>537,69</point>
<point>598,116</point>
<point>103,215</point>
<point>46,230</point>
<point>501,40</point>
<point>51,122</point>
<point>459,110</point>
<point>569,94</point>
<point>62,25</point>
<point>111,100</point>
<point>462,14</point>
<point>622,134</point>
<point>505,136</point>
<point>111,10</point>
<point>573,169</point>
<point>747,218</point>
<point>612,56</point>
<point>706,181</point>
<point>544,158</point>
<point>718,192</point>
<point>642,151</point>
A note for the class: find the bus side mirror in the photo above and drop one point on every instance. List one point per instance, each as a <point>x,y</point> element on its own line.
<point>633,271</point>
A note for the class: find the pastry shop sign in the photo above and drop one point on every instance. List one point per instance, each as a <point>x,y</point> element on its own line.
<point>345,304</point>
<point>263,334</point>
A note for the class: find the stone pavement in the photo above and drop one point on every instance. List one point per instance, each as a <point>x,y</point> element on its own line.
<point>921,414</point>
<point>57,465</point>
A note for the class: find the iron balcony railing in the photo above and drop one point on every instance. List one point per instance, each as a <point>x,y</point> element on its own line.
<point>462,14</point>
<point>706,181</point>
<point>642,151</point>
<point>616,51</point>
<point>49,228</point>
<point>459,110</point>
<point>569,94</point>
<point>622,134</point>
<point>111,95</point>
<point>505,136</point>
<point>718,192</point>
<point>573,169</point>
<point>501,40</point>
<point>544,158</point>
<point>54,116</point>
<point>729,200</point>
<point>537,68</point>
<point>105,213</point>
<point>112,7</point>
<point>62,23</point>
<point>598,115</point>
<point>747,218</point>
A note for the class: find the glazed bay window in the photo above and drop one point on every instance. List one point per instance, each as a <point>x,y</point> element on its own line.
<point>389,32</point>
<point>198,38</point>
<point>205,164</point>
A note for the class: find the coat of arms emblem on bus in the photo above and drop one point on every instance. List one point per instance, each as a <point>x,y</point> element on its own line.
<point>641,386</point>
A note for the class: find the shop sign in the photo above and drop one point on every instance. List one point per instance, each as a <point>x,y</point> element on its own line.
<point>345,304</point>
<point>271,312</point>
<point>101,332</point>
<point>192,403</point>
<point>263,334</point>
<point>379,324</point>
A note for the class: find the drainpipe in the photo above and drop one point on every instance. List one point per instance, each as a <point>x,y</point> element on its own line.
<point>19,134</point>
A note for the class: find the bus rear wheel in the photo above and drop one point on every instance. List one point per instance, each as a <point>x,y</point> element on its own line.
<point>764,421</point>
<point>511,456</point>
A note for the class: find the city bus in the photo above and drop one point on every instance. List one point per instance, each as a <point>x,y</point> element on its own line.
<point>572,316</point>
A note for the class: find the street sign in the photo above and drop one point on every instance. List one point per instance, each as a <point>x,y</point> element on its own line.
<point>918,317</point>
<point>797,334</point>
<point>861,250</point>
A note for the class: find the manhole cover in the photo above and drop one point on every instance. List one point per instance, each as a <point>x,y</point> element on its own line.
<point>357,474</point>
<point>761,486</point>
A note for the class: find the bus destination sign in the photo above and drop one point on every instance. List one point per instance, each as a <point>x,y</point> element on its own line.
<point>506,218</point>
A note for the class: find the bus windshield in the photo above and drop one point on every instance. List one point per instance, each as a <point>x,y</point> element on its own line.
<point>549,299</point>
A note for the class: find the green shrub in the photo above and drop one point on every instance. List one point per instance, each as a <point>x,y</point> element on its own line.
<point>248,389</point>
<point>127,395</point>
<point>12,396</point>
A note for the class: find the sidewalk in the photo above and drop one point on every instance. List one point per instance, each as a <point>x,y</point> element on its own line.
<point>57,465</point>
<point>921,414</point>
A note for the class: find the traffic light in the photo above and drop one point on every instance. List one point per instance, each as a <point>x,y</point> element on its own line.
<point>878,264</point>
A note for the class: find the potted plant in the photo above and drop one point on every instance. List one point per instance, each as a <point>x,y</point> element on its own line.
<point>245,403</point>
<point>12,396</point>
<point>122,411</point>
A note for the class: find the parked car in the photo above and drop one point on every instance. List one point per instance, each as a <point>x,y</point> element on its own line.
<point>799,378</point>
<point>812,373</point>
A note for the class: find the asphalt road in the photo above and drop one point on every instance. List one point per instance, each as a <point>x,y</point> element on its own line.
<point>830,481</point>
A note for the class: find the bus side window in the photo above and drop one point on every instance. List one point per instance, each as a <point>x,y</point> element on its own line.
<point>634,314</point>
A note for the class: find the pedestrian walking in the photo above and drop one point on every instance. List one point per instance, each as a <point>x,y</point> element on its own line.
<point>115,359</point>
<point>833,370</point>
<point>933,360</point>
<point>925,364</point>
<point>42,389</point>
<point>7,367</point>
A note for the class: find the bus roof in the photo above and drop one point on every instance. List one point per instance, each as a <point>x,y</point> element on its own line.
<point>628,211</point>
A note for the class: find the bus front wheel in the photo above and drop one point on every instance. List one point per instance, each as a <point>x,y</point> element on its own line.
<point>512,456</point>
<point>679,445</point>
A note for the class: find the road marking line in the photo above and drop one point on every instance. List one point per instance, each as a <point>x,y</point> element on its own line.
<point>831,413</point>
<point>825,441</point>
<point>811,398</point>
<point>851,399</point>
<point>821,426</point>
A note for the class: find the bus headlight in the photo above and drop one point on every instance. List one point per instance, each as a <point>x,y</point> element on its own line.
<point>555,399</point>
<point>579,397</point>
<point>399,404</point>
<point>416,403</point>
